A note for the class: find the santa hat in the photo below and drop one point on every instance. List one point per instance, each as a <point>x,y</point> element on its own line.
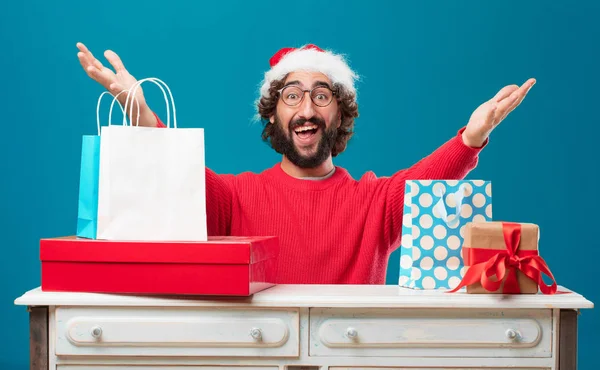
<point>309,58</point>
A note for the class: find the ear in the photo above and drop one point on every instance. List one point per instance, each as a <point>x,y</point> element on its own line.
<point>339,118</point>
<point>272,119</point>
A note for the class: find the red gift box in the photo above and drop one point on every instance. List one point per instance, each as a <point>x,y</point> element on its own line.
<point>232,266</point>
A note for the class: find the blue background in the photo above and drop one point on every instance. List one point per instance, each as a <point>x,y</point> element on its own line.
<point>425,65</point>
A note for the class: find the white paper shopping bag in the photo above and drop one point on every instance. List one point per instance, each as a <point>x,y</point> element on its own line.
<point>152,181</point>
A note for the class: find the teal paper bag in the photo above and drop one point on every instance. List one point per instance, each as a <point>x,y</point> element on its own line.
<point>89,176</point>
<point>87,212</point>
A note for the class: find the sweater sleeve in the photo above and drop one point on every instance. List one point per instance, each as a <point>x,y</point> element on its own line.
<point>218,199</point>
<point>218,203</point>
<point>159,123</point>
<point>452,161</point>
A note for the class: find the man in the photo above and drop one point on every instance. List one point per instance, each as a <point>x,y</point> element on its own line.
<point>332,229</point>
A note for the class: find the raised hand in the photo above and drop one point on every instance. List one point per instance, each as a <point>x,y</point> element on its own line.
<point>489,114</point>
<point>115,82</point>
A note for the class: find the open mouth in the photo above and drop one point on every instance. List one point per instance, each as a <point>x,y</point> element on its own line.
<point>306,132</point>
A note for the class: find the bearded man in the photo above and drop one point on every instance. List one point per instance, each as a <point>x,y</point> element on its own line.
<point>332,228</point>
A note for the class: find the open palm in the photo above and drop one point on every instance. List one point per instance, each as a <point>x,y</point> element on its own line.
<point>114,82</point>
<point>489,114</point>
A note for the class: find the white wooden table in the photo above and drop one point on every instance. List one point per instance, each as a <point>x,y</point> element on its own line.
<point>291,327</point>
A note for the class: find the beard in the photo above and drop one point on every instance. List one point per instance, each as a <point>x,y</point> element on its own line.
<point>283,142</point>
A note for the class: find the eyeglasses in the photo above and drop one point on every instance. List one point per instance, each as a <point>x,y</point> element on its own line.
<point>293,95</point>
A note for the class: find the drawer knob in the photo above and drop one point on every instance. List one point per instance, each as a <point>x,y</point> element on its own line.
<point>256,333</point>
<point>512,334</point>
<point>351,333</point>
<point>96,332</point>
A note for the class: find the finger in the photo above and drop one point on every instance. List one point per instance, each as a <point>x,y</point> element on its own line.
<point>502,115</point>
<point>504,92</point>
<point>507,102</point>
<point>86,62</point>
<point>96,74</point>
<point>83,60</point>
<point>518,97</point>
<point>82,47</point>
<point>489,119</point>
<point>511,107</point>
<point>529,83</point>
<point>105,76</point>
<point>114,60</point>
<point>90,57</point>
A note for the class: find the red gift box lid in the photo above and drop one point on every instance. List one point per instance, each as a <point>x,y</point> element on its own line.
<point>217,250</point>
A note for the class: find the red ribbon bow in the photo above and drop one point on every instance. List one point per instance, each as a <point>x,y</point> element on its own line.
<point>485,263</point>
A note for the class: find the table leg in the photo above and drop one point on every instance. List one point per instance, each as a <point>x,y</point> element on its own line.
<point>38,338</point>
<point>567,352</point>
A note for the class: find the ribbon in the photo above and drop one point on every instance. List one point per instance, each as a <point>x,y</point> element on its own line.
<point>441,208</point>
<point>485,263</point>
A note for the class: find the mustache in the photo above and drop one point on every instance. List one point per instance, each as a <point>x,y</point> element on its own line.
<point>301,121</point>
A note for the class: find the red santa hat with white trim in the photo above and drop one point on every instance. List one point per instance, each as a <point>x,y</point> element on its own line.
<point>309,58</point>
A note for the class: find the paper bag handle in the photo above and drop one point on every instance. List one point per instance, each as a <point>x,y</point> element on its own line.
<point>159,83</point>
<point>112,104</point>
<point>441,208</point>
<point>122,109</point>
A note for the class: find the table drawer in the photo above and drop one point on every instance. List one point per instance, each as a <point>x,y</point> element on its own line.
<point>163,367</point>
<point>430,332</point>
<point>436,368</point>
<point>177,331</point>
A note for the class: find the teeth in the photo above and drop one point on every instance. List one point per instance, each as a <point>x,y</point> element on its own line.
<point>305,128</point>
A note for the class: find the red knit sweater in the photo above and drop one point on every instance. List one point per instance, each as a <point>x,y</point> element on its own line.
<point>333,231</point>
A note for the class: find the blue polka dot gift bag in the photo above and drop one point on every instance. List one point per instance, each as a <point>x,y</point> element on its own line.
<point>433,226</point>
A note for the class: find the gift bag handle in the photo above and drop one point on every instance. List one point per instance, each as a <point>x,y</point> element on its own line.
<point>160,84</point>
<point>112,104</point>
<point>441,208</point>
<point>123,109</point>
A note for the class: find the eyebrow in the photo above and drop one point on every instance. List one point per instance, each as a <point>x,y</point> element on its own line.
<point>315,84</point>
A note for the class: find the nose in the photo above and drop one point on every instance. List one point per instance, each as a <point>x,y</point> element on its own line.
<point>306,109</point>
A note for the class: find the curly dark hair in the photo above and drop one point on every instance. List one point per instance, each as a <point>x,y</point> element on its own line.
<point>346,102</point>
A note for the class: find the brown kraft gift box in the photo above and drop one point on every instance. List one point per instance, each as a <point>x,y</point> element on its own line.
<point>489,235</point>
